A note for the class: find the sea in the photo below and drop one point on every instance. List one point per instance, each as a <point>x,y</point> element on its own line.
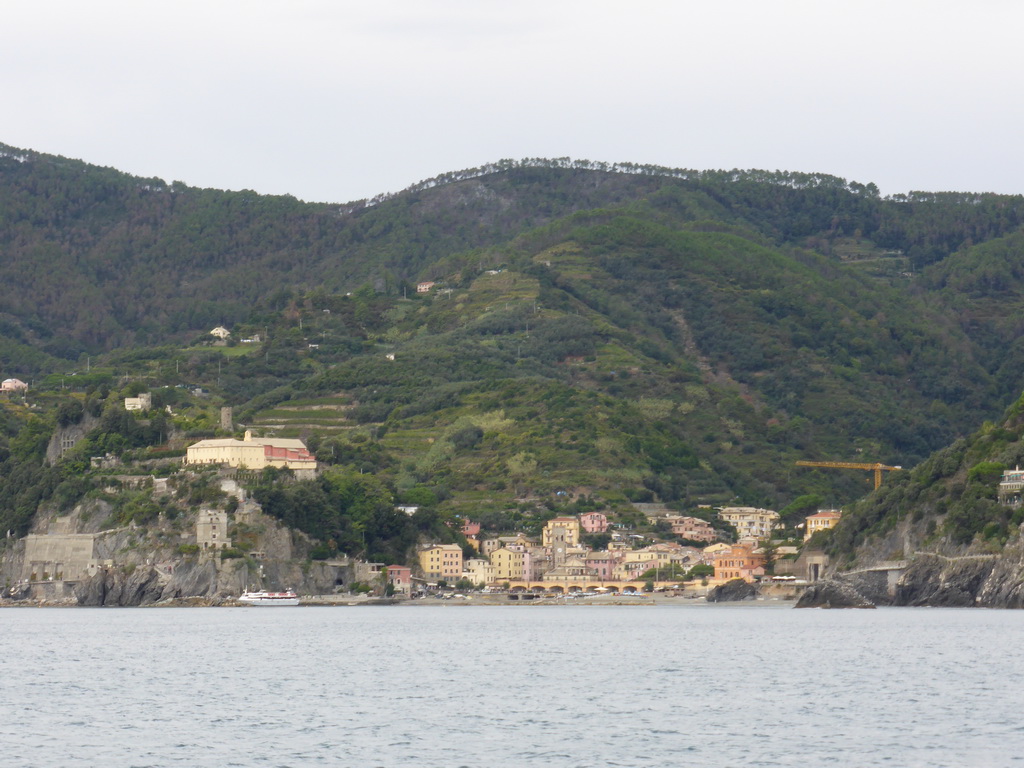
<point>532,685</point>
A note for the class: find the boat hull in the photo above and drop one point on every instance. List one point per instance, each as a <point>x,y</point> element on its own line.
<point>269,598</point>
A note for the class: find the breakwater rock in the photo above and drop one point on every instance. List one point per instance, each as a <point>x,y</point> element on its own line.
<point>833,593</point>
<point>732,591</point>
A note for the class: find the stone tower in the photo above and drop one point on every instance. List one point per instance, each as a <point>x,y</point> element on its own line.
<point>227,418</point>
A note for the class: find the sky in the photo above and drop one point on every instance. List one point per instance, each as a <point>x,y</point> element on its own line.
<point>333,101</point>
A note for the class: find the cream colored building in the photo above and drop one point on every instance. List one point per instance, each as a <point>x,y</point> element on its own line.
<point>252,453</point>
<point>443,561</point>
<point>750,522</point>
<point>637,561</point>
<point>479,571</point>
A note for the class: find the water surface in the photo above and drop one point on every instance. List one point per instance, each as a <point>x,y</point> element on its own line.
<point>511,686</point>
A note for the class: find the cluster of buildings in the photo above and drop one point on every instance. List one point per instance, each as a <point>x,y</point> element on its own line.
<point>559,557</point>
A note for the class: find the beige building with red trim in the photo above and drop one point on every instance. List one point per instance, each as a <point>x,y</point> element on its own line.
<point>252,453</point>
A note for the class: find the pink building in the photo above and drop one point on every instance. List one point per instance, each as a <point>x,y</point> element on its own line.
<point>400,576</point>
<point>602,564</point>
<point>470,529</point>
<point>594,522</point>
<point>13,385</point>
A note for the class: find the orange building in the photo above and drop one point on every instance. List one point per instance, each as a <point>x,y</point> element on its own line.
<point>741,561</point>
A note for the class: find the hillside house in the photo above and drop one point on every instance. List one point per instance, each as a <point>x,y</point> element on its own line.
<point>594,522</point>
<point>13,385</point>
<point>750,522</point>
<point>1011,487</point>
<point>822,520</point>
<point>141,403</point>
<point>693,528</point>
<point>425,286</point>
<point>221,333</point>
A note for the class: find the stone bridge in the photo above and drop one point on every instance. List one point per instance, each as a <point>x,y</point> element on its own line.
<point>586,587</point>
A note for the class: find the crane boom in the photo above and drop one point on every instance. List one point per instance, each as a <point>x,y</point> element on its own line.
<point>878,468</point>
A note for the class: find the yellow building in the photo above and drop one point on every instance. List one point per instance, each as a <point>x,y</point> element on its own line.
<point>561,532</point>
<point>252,453</point>
<point>443,561</point>
<point>508,564</point>
<point>822,520</point>
<point>637,561</point>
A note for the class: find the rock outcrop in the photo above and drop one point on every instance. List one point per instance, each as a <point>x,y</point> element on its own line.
<point>833,593</point>
<point>940,581</point>
<point>732,591</point>
<point>116,587</point>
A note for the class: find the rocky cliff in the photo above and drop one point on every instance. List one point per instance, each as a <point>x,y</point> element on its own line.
<point>968,579</point>
<point>204,577</point>
<point>76,557</point>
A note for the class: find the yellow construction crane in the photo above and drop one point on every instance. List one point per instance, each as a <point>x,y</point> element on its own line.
<point>878,468</point>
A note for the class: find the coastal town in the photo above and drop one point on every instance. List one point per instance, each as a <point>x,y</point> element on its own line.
<point>590,553</point>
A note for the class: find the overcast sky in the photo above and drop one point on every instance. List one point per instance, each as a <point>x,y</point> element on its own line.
<point>330,100</point>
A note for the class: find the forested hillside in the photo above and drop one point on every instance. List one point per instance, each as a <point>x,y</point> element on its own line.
<point>601,332</point>
<point>94,259</point>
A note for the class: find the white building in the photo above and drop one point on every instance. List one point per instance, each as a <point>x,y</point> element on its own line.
<point>750,522</point>
<point>141,403</point>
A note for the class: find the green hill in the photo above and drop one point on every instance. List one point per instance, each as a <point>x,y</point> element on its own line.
<point>596,334</point>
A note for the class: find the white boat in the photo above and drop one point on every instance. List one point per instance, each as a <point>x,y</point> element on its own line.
<point>269,598</point>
